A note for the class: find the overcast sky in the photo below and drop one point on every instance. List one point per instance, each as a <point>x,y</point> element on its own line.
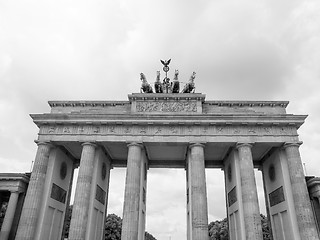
<point>95,50</point>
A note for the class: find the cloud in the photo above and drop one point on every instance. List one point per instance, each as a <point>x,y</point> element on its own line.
<point>166,213</point>
<point>116,191</point>
<point>248,50</point>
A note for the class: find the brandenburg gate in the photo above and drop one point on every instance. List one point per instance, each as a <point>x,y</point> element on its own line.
<point>167,129</point>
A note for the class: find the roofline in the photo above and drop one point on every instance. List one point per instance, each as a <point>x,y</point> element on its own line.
<point>94,103</point>
<point>15,176</point>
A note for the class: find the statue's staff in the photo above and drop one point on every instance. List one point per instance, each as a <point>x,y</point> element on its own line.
<point>166,70</point>
<point>165,66</point>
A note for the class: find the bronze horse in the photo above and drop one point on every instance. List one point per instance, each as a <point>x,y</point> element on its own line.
<point>158,85</point>
<point>190,86</point>
<point>145,86</point>
<point>175,85</point>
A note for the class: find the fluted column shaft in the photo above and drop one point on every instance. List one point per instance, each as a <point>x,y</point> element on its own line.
<point>250,202</point>
<point>32,203</point>
<point>305,218</point>
<point>199,207</point>
<point>78,225</point>
<point>130,223</point>
<point>8,218</point>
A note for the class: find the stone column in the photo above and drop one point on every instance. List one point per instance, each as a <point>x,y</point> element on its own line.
<point>8,218</point>
<point>130,223</point>
<point>305,218</point>
<point>249,194</point>
<point>32,203</point>
<point>78,224</point>
<point>198,193</point>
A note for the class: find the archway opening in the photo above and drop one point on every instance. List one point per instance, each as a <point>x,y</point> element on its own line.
<point>216,194</point>
<point>166,203</point>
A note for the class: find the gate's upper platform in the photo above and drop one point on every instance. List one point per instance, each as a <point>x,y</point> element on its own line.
<point>166,123</point>
<point>169,103</point>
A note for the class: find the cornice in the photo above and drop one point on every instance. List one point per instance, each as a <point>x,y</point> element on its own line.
<point>86,103</point>
<point>166,96</point>
<point>200,119</point>
<point>282,104</point>
<point>313,182</point>
<point>14,177</point>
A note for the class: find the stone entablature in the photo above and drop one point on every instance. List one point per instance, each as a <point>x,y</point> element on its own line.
<point>189,103</point>
<point>164,106</point>
<point>152,129</point>
<point>90,107</point>
<point>14,182</point>
<point>187,115</point>
<point>166,97</point>
<point>153,103</point>
<point>236,107</point>
<point>203,119</point>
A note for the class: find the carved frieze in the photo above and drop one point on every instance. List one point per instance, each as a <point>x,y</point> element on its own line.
<point>168,130</point>
<point>163,106</point>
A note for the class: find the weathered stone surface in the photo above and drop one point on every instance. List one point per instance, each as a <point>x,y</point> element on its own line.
<point>30,212</point>
<point>174,129</point>
<point>305,218</point>
<point>249,193</point>
<point>166,107</point>
<point>78,225</point>
<point>198,192</point>
<point>130,223</point>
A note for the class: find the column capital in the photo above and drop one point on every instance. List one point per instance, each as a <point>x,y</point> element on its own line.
<point>47,143</point>
<point>89,143</point>
<point>244,144</point>
<point>15,191</point>
<point>292,144</point>
<point>138,144</point>
<point>197,144</point>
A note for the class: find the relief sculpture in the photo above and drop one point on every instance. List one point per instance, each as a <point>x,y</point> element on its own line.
<point>166,107</point>
<point>167,129</point>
